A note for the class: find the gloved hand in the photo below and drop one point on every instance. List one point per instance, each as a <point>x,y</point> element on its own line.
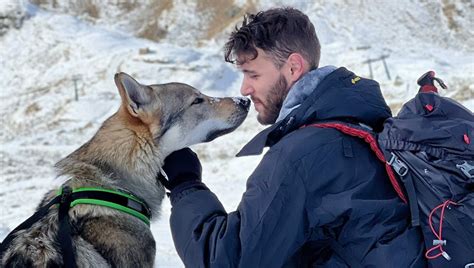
<point>182,168</point>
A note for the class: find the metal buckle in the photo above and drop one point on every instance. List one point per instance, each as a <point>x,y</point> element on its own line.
<point>398,165</point>
<point>65,195</point>
<point>466,168</point>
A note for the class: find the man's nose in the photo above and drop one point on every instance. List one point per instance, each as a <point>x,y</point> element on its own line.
<point>246,88</point>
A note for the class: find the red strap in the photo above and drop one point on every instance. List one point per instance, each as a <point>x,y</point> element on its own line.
<point>428,88</point>
<point>367,137</point>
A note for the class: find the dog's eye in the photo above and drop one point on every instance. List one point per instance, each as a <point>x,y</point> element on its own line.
<point>197,101</point>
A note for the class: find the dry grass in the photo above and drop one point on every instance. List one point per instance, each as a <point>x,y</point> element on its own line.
<point>146,25</point>
<point>32,108</point>
<point>89,7</point>
<point>221,14</point>
<point>464,93</point>
<point>150,28</point>
<point>449,10</point>
<point>42,2</point>
<point>128,5</point>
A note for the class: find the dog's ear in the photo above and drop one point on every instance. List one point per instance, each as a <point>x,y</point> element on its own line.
<point>134,95</point>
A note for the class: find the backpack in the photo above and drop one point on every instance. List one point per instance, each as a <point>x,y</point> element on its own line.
<point>429,159</point>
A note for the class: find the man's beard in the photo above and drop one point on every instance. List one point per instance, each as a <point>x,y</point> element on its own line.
<point>273,102</point>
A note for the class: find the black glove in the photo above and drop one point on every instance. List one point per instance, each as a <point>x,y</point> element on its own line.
<point>182,168</point>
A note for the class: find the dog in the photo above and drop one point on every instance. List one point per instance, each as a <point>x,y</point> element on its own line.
<point>125,155</point>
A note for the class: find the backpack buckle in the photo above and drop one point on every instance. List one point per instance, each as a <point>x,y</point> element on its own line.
<point>398,165</point>
<point>466,168</point>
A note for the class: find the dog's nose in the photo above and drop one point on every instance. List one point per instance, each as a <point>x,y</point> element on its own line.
<point>244,102</point>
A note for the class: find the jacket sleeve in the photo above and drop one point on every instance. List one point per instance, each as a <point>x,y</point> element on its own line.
<point>265,230</point>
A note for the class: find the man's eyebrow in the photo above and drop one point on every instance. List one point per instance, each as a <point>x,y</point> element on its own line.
<point>249,71</point>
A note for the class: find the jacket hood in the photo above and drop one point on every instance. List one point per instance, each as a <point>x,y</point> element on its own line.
<point>344,96</point>
<point>340,96</point>
<point>302,89</point>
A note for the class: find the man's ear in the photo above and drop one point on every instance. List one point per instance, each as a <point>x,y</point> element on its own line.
<point>298,66</point>
<point>133,94</point>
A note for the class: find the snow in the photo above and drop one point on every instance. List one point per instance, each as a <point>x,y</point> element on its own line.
<point>41,122</point>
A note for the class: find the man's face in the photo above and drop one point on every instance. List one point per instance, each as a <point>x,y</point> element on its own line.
<point>265,84</point>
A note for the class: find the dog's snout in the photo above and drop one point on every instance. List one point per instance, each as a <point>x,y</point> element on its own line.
<point>244,102</point>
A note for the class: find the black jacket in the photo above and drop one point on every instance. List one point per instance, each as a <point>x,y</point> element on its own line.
<point>313,186</point>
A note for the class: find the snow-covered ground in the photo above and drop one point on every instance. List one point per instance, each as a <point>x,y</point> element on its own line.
<point>41,121</point>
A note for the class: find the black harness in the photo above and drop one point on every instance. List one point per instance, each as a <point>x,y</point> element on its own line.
<point>68,198</point>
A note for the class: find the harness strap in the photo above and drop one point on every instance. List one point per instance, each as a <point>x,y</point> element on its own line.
<point>64,231</point>
<point>68,198</point>
<point>121,201</point>
<point>39,214</point>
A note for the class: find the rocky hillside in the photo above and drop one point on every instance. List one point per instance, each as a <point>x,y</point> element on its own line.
<point>444,22</point>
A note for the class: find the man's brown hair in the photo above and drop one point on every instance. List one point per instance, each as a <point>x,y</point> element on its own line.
<point>279,32</point>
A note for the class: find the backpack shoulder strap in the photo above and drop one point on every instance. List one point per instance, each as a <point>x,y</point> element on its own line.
<point>369,137</point>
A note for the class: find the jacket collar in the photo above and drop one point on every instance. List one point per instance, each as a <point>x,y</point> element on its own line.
<point>290,117</point>
<point>255,146</point>
<point>271,135</point>
<point>340,96</point>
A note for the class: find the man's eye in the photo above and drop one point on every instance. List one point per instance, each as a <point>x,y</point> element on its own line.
<point>197,101</point>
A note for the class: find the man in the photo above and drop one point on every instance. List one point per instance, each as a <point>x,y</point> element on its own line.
<point>318,197</point>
